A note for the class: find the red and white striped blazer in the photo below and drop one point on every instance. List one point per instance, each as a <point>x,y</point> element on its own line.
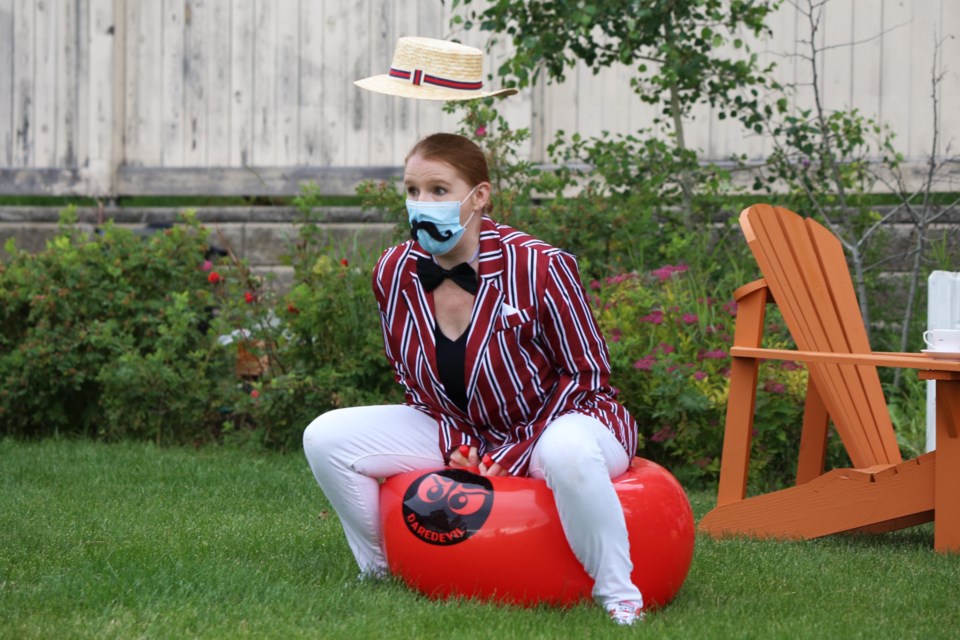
<point>534,351</point>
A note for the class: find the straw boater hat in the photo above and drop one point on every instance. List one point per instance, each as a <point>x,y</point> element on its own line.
<point>430,69</point>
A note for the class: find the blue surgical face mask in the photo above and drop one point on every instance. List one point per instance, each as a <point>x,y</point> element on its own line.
<point>444,216</point>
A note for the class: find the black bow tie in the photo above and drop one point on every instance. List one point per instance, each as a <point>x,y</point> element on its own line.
<point>431,275</point>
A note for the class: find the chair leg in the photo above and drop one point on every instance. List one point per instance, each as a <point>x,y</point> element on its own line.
<point>738,431</point>
<point>813,437</point>
<point>946,532</point>
<point>742,396</point>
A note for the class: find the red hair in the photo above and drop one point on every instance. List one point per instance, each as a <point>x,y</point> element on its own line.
<point>460,153</point>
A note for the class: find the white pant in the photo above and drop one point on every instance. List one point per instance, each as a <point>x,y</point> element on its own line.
<point>349,449</point>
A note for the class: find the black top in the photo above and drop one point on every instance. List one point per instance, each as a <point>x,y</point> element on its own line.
<point>451,362</point>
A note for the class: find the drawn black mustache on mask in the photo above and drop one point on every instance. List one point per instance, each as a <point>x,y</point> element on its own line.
<point>431,230</point>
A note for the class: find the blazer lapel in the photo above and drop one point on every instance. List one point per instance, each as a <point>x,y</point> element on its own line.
<point>488,305</point>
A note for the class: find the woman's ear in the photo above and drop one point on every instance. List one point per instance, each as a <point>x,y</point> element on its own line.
<point>483,197</point>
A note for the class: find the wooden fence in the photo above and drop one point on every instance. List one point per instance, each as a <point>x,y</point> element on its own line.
<point>118,97</point>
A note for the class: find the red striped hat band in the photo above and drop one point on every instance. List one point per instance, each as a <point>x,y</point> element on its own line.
<point>418,77</point>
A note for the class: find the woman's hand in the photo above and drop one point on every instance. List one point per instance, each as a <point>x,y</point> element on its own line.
<point>490,468</point>
<point>465,458</point>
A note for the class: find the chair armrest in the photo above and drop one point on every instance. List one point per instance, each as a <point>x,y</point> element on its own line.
<point>875,358</point>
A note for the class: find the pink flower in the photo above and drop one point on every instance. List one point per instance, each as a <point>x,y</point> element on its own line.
<point>774,387</point>
<point>214,277</point>
<point>206,266</point>
<point>730,307</point>
<point>654,317</point>
<point>594,284</point>
<point>615,334</point>
<point>620,277</point>
<point>254,394</point>
<point>480,132</point>
<point>666,433</point>
<point>665,348</point>
<point>666,272</point>
<point>699,375</point>
<point>790,365</point>
<point>689,318</point>
<point>645,363</point>
<point>714,354</point>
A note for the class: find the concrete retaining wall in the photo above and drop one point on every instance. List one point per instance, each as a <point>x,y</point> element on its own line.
<point>263,234</point>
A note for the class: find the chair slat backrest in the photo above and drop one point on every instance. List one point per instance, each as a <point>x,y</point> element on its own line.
<point>806,270</point>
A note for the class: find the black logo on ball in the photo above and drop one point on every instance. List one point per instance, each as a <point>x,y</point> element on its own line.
<point>447,507</point>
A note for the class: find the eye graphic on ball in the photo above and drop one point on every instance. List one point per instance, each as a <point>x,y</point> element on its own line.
<point>447,507</point>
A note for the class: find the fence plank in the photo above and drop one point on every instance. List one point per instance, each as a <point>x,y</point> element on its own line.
<point>242,65</point>
<point>196,85</point>
<point>949,34</point>
<point>7,41</point>
<point>336,83</point>
<point>924,29</point>
<point>99,121</point>
<point>310,84</point>
<point>866,57</point>
<point>171,87</point>
<point>287,71</point>
<point>381,35</point>
<point>23,89</point>
<point>264,88</point>
<point>143,61</point>
<point>357,62</point>
<point>46,57</point>
<point>217,91</point>
<point>65,90</point>
<point>406,113</point>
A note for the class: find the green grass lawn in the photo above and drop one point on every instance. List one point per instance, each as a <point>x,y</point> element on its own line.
<point>130,541</point>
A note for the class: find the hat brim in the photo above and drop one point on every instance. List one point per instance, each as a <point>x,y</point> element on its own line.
<point>404,89</point>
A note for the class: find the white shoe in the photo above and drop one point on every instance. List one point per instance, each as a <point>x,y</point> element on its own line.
<point>626,612</point>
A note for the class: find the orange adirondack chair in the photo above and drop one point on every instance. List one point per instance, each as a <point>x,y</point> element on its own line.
<point>806,275</point>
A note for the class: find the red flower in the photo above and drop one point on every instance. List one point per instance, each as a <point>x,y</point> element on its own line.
<point>291,308</point>
<point>344,263</point>
<point>254,394</point>
<point>214,277</point>
<point>249,297</point>
<point>481,131</point>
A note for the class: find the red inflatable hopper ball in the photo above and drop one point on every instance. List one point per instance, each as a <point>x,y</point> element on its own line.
<point>451,532</point>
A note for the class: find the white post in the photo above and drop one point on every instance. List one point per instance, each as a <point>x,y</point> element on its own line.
<point>943,312</point>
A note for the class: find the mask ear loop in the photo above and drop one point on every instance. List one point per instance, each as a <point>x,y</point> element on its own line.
<point>472,213</point>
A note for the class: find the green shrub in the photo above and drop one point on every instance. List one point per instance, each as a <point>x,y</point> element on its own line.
<point>669,345</point>
<point>321,343</point>
<point>105,335</point>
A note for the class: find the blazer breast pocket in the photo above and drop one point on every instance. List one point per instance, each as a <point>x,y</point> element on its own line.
<point>524,320</point>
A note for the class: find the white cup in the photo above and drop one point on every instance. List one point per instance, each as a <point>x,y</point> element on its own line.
<point>945,340</point>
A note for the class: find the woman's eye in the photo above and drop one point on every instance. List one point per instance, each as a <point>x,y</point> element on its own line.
<point>440,191</point>
<point>413,191</point>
